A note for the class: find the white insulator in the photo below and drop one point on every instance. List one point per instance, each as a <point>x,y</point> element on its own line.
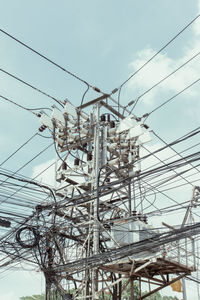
<point>121,138</point>
<point>134,132</point>
<point>71,110</point>
<point>84,115</point>
<point>131,173</point>
<point>144,138</point>
<point>60,141</point>
<point>83,130</point>
<point>58,116</point>
<point>137,166</point>
<point>126,124</point>
<point>123,144</point>
<point>111,131</point>
<point>70,120</point>
<point>112,146</point>
<point>46,120</point>
<point>113,161</point>
<point>130,157</point>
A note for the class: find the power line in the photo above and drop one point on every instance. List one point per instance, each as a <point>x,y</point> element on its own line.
<point>177,153</point>
<point>30,182</point>
<point>22,179</point>
<point>171,98</point>
<point>159,82</point>
<point>11,155</point>
<point>182,30</point>
<point>165,164</point>
<point>31,86</point>
<point>46,58</point>
<point>31,110</point>
<point>111,255</point>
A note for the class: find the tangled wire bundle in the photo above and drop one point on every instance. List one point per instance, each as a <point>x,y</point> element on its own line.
<point>27,237</point>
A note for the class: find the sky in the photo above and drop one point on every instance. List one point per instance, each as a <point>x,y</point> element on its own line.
<point>102,42</point>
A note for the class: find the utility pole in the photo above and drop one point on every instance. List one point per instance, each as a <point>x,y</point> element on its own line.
<point>184,289</point>
<point>97,173</point>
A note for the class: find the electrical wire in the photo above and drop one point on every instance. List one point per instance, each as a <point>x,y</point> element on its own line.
<point>135,102</point>
<point>31,86</point>
<point>158,52</point>
<point>171,98</point>
<point>177,153</point>
<point>31,110</point>
<point>24,144</point>
<point>45,57</point>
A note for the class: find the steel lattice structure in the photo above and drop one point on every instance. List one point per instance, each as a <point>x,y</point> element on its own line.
<point>89,234</point>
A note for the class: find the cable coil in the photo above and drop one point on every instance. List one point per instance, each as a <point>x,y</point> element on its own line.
<point>34,238</point>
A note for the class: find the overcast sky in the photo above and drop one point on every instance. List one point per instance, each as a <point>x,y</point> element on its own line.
<point>103,42</point>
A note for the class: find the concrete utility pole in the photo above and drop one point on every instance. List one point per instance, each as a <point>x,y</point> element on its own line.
<point>95,184</point>
<point>184,289</point>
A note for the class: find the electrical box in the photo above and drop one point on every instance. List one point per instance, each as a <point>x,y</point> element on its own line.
<point>125,232</point>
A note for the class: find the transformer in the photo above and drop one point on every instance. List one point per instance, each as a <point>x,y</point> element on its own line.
<point>129,231</point>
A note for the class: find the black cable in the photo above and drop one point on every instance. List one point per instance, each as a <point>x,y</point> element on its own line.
<point>46,137</point>
<point>18,149</point>
<point>23,107</point>
<point>28,244</point>
<point>192,279</point>
<point>108,189</point>
<point>121,252</point>
<point>182,30</point>
<point>87,89</point>
<point>160,81</point>
<point>45,57</point>
<point>25,180</point>
<point>31,86</point>
<point>178,153</point>
<point>181,139</point>
<point>165,164</point>
<point>171,98</point>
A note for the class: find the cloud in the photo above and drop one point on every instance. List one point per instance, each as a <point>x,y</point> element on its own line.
<point>8,296</point>
<point>162,65</point>
<point>196,26</point>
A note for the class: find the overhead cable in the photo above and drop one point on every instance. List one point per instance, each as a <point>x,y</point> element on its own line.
<point>156,54</point>
<point>31,110</point>
<point>11,155</point>
<point>46,58</point>
<point>159,82</point>
<point>31,86</point>
<point>171,98</point>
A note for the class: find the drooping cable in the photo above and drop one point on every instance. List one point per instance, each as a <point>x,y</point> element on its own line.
<point>31,86</point>
<point>160,81</point>
<point>158,52</point>
<point>31,110</point>
<point>171,98</point>
<point>25,143</point>
<point>46,58</point>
